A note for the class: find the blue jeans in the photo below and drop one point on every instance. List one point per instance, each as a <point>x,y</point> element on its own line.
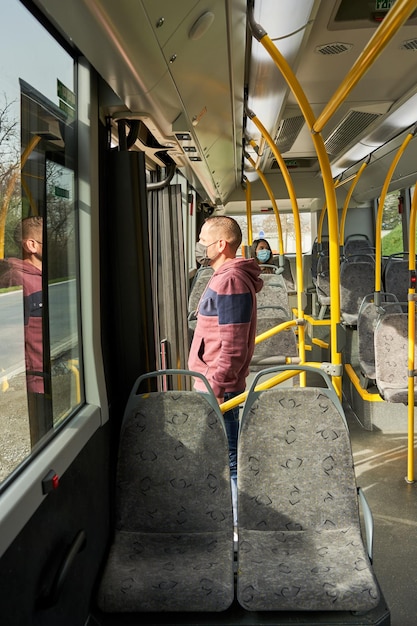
<point>231,421</point>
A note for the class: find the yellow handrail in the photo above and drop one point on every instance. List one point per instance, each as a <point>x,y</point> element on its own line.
<point>395,18</point>
<point>296,213</point>
<point>248,196</point>
<point>272,199</point>
<point>347,200</point>
<point>411,339</point>
<point>276,329</point>
<point>330,194</point>
<point>267,384</point>
<point>380,212</point>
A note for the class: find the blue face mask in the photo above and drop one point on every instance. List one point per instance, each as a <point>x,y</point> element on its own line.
<point>263,255</point>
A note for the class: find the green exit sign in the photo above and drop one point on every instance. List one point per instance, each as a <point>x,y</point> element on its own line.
<point>383,5</point>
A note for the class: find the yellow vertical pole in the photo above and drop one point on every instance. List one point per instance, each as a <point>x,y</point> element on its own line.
<point>299,251</point>
<point>411,338</point>
<point>248,194</point>
<point>272,199</point>
<point>330,194</point>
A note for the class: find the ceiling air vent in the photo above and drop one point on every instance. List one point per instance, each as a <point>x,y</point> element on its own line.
<point>352,125</point>
<point>295,164</point>
<point>334,48</point>
<point>288,132</point>
<point>411,44</point>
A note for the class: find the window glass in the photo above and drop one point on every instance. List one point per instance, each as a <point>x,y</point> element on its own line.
<point>264,226</point>
<point>392,230</point>
<point>39,366</point>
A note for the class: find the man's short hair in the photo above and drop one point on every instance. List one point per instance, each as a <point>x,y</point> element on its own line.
<point>29,228</point>
<point>228,227</point>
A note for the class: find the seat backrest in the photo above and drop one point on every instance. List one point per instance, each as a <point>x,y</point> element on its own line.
<point>300,544</point>
<point>198,286</point>
<point>357,243</point>
<point>273,293</point>
<point>396,276</point>
<point>276,349</point>
<point>323,279</point>
<point>369,314</point>
<point>294,449</point>
<point>391,357</point>
<point>173,545</point>
<point>318,249</point>
<point>357,279</point>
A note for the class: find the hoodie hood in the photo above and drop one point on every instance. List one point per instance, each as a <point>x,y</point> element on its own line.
<point>248,270</point>
<point>21,266</point>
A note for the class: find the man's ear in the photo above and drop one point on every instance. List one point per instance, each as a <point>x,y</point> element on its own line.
<point>222,245</point>
<point>29,245</point>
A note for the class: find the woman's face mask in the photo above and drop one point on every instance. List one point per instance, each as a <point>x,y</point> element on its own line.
<point>263,255</point>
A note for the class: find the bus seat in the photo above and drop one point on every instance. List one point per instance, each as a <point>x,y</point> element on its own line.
<point>391,357</point>
<point>300,545</point>
<point>357,279</point>
<point>323,284</point>
<point>278,348</point>
<point>368,316</point>
<point>357,243</point>
<point>198,286</point>
<point>273,293</point>
<point>317,250</point>
<point>396,277</point>
<point>173,543</point>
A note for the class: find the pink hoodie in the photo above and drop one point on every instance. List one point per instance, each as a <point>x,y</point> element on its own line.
<point>18,272</point>
<point>223,341</point>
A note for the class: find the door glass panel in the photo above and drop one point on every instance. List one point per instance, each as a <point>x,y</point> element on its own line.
<point>40,373</point>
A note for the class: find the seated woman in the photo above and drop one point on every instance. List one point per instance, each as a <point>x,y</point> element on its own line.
<point>261,251</point>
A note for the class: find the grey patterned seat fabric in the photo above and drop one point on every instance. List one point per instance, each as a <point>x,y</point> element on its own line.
<point>318,249</point>
<point>300,544</point>
<point>273,293</point>
<point>368,317</point>
<point>198,286</point>
<point>357,243</point>
<point>173,544</point>
<point>279,347</point>
<point>357,279</point>
<point>396,277</point>
<point>323,283</point>
<point>391,358</point>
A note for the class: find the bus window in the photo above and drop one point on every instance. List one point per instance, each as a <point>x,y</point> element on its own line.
<point>39,368</point>
<point>264,226</point>
<point>392,233</point>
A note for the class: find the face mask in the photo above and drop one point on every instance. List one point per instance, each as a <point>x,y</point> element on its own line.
<point>201,253</point>
<point>263,255</point>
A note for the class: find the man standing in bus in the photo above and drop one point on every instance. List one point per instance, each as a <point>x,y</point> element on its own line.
<point>224,337</point>
<point>27,272</point>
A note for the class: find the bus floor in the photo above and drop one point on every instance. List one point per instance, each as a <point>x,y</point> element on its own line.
<point>380,461</point>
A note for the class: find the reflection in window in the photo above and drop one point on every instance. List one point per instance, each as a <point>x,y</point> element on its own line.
<point>39,332</point>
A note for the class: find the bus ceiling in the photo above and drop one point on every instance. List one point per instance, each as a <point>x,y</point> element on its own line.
<point>189,70</point>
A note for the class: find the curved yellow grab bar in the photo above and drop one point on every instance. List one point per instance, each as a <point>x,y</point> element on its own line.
<point>347,200</point>
<point>379,216</point>
<point>276,329</point>
<point>272,199</point>
<point>395,18</point>
<point>296,214</point>
<point>329,190</point>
